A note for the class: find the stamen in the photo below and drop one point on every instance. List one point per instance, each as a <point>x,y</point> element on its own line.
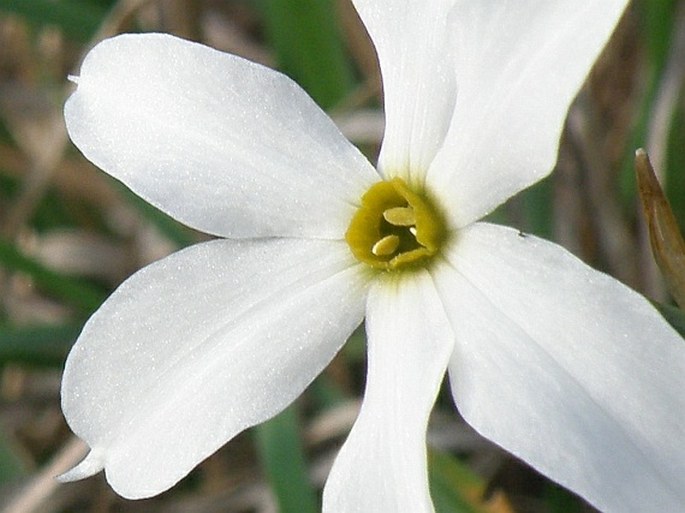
<point>400,216</point>
<point>396,227</point>
<point>386,246</point>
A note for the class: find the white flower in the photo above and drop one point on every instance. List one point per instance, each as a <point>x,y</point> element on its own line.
<point>561,365</point>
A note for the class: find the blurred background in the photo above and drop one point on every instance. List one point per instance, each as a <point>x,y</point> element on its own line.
<point>69,234</point>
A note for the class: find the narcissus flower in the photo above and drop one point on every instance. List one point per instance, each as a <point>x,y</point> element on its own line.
<point>560,364</point>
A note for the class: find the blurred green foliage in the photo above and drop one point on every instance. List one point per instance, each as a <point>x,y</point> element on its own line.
<point>45,345</point>
<point>78,19</point>
<point>12,466</point>
<point>308,47</point>
<point>657,22</point>
<point>81,294</point>
<point>456,489</point>
<point>282,455</point>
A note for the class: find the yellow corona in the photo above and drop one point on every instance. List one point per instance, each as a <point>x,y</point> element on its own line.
<point>396,227</point>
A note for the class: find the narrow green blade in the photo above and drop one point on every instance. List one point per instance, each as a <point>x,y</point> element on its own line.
<point>282,455</point>
<point>657,17</point>
<point>11,464</point>
<point>80,294</point>
<point>168,226</point>
<point>78,19</point>
<point>674,316</point>
<point>46,345</point>
<point>538,205</point>
<point>308,47</point>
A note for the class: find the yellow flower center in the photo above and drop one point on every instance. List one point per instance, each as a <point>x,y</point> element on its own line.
<point>396,227</point>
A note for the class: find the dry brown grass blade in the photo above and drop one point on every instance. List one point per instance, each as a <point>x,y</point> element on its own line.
<point>664,235</point>
<point>39,489</point>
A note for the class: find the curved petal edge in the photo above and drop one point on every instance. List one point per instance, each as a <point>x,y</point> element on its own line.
<point>568,369</point>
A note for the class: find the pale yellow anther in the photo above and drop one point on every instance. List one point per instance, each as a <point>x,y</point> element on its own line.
<point>400,216</point>
<point>386,246</point>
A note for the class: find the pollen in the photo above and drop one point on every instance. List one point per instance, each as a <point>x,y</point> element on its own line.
<point>396,227</point>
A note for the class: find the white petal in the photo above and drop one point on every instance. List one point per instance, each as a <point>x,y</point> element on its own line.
<point>382,465</point>
<point>519,64</point>
<point>568,369</point>
<point>220,143</point>
<point>412,39</point>
<point>197,347</point>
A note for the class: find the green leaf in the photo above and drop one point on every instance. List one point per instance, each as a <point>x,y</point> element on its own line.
<point>37,345</point>
<point>168,226</point>
<point>559,500</point>
<point>325,393</point>
<point>456,489</point>
<point>675,162</point>
<point>308,47</point>
<point>657,17</point>
<point>538,206</point>
<point>77,18</point>
<point>80,294</point>
<point>11,464</point>
<point>675,317</point>
<point>282,455</point>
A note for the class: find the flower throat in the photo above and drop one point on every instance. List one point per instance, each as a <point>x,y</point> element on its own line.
<point>395,227</point>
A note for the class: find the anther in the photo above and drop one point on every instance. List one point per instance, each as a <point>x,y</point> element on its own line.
<point>400,216</point>
<point>386,246</point>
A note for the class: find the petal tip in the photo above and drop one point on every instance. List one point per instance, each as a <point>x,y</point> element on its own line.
<point>93,463</point>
